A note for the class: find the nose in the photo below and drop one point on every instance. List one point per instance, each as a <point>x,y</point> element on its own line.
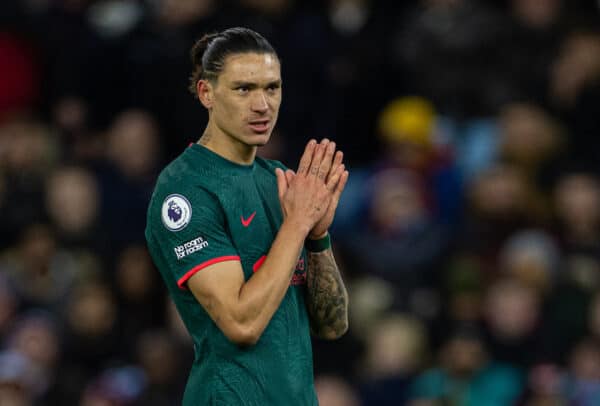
<point>259,103</point>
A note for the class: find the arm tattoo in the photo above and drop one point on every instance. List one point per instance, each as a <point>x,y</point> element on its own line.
<point>327,299</point>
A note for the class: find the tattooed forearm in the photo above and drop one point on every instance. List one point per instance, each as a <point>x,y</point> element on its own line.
<point>327,299</point>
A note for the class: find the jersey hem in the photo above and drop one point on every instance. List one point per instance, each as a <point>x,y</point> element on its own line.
<point>181,282</point>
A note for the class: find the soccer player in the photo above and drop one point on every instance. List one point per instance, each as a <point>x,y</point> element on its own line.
<point>242,242</point>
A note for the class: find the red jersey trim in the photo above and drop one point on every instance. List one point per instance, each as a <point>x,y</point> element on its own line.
<point>181,282</point>
<point>258,263</point>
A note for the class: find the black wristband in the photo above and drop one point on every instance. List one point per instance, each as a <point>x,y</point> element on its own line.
<point>318,245</point>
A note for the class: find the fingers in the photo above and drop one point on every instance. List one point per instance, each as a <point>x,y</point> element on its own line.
<point>337,161</point>
<point>282,183</point>
<point>341,184</point>
<point>306,158</point>
<point>339,188</point>
<point>325,166</point>
<point>320,152</point>
<point>334,177</point>
<point>289,175</point>
<point>320,160</point>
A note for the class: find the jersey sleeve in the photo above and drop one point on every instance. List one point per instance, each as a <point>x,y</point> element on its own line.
<point>190,233</point>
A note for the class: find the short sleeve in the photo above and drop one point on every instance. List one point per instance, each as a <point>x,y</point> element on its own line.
<point>190,233</point>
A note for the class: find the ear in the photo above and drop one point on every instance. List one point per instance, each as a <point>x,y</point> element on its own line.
<point>205,93</point>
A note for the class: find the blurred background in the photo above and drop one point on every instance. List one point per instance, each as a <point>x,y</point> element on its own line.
<point>468,234</point>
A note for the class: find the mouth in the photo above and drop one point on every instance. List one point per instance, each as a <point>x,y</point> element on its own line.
<point>260,126</point>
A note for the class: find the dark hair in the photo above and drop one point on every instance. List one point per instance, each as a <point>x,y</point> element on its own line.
<point>209,52</point>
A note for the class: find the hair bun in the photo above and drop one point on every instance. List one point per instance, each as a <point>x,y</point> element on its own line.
<point>200,48</point>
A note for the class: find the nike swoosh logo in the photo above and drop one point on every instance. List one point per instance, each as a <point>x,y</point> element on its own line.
<point>246,222</point>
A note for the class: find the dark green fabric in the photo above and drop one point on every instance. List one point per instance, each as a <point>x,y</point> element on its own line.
<point>235,212</point>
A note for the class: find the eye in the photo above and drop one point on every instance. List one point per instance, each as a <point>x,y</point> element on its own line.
<point>272,88</point>
<point>242,89</point>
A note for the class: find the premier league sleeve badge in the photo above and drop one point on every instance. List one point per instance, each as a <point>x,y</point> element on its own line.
<point>176,212</point>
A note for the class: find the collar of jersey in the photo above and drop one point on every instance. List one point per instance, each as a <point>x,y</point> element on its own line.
<point>206,156</point>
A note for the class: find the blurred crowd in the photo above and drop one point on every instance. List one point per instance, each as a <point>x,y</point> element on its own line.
<point>468,234</point>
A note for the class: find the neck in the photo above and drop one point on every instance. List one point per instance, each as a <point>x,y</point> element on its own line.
<point>228,148</point>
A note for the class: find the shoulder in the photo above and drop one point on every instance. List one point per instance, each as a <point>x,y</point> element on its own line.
<point>178,173</point>
<point>270,164</point>
<point>179,194</point>
<point>182,177</point>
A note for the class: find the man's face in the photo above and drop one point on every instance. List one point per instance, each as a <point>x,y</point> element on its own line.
<point>246,97</point>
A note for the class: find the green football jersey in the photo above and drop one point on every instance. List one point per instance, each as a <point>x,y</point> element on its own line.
<point>206,209</point>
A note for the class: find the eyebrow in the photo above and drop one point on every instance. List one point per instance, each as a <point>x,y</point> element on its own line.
<point>252,85</point>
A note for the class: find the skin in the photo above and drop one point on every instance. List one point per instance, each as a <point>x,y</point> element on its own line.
<point>248,90</point>
<point>327,298</point>
<point>243,104</point>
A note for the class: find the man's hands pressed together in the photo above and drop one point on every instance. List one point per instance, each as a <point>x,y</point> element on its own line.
<point>243,308</point>
<point>310,196</point>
